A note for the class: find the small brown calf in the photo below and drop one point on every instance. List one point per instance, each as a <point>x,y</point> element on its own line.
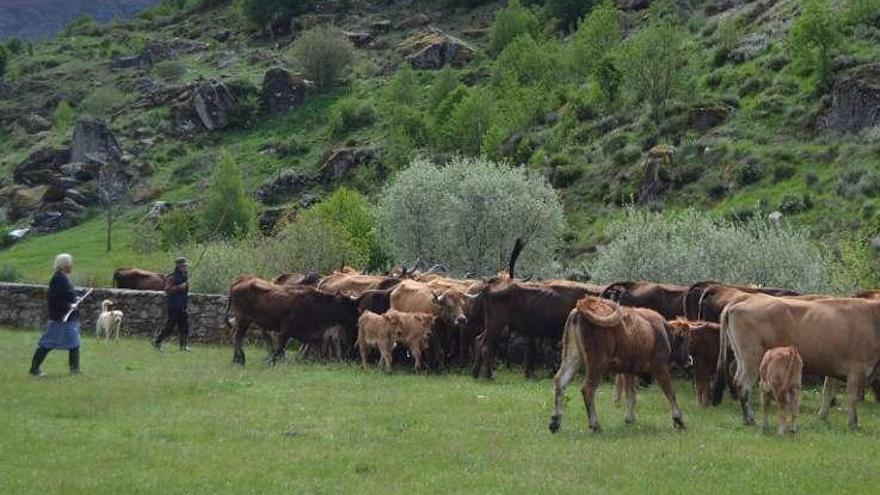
<point>384,331</point>
<point>781,370</point>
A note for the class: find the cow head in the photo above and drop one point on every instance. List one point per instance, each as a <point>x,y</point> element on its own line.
<point>452,303</point>
<point>679,332</point>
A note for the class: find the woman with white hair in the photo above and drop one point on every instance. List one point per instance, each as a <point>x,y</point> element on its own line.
<point>61,332</point>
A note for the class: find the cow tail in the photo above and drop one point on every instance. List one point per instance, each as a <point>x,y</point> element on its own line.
<point>700,304</point>
<point>228,307</point>
<point>721,368</point>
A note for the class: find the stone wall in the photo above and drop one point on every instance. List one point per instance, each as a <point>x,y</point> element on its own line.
<point>24,306</point>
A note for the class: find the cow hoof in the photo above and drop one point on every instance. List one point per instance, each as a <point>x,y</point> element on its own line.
<point>555,423</point>
<point>596,429</point>
<point>629,421</point>
<point>679,424</point>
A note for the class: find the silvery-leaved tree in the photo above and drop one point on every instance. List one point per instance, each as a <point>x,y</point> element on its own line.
<point>468,213</point>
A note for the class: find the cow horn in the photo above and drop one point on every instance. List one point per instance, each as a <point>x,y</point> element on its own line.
<point>434,268</point>
<point>529,278</point>
<point>473,296</point>
<point>611,320</point>
<point>469,275</point>
<point>514,255</point>
<point>439,298</point>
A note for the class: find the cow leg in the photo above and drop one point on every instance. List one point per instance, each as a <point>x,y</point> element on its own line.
<point>619,385</point>
<point>530,357</point>
<point>630,387</point>
<point>280,346</point>
<point>270,347</point>
<point>783,412</point>
<point>362,348</point>
<point>794,405</point>
<point>591,383</point>
<point>746,374</point>
<point>416,352</point>
<point>238,335</point>
<point>570,365</point>
<point>478,355</point>
<point>829,389</point>
<point>665,382</point>
<point>855,386</point>
<point>385,351</point>
<point>766,398</point>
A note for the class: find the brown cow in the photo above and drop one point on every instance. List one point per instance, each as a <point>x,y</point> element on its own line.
<point>137,279</point>
<point>354,284</point>
<point>289,312</point>
<point>414,330</point>
<point>781,370</point>
<point>606,337</point>
<point>334,344</point>
<point>449,306</point>
<point>377,301</point>
<point>293,279</point>
<point>702,340</point>
<point>705,301</point>
<point>836,338</point>
<point>666,299</point>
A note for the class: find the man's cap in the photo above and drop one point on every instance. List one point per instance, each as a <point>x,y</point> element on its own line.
<point>181,261</point>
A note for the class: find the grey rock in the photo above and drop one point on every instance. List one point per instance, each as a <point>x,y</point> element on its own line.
<point>434,49</point>
<point>15,235</point>
<point>206,107</point>
<point>42,166</point>
<point>855,102</point>
<point>93,138</point>
<point>282,91</point>
<point>34,123</point>
<point>286,185</point>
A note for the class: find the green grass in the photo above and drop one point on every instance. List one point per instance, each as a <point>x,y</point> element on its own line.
<point>140,422</point>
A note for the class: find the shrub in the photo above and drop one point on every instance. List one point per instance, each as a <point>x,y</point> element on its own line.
<point>63,117</point>
<point>170,70</point>
<point>5,56</point>
<point>748,173</point>
<point>662,247</point>
<point>247,104</point>
<point>10,273</point>
<point>324,54</point>
<point>467,215</point>
<point>81,26</point>
<point>568,12</point>
<point>15,46</point>
<point>469,122</point>
<point>349,114</point>
<point>511,22</point>
<point>350,211</point>
<point>274,15</point>
<point>864,12</point>
<point>227,212</point>
<point>814,38</point>
<point>176,229</point>
<point>596,37</point>
<point>102,101</point>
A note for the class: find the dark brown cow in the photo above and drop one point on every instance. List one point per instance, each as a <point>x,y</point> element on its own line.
<point>293,279</point>
<point>377,301</point>
<point>706,300</point>
<point>702,342</point>
<point>666,299</point>
<point>607,338</point>
<point>288,312</point>
<point>137,279</point>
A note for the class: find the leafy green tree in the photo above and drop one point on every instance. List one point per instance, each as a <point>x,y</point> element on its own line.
<point>469,122</point>
<point>511,22</point>
<point>351,212</point>
<point>324,54</point>
<point>63,117</point>
<point>814,38</point>
<point>596,37</point>
<point>227,212</point>
<point>568,12</point>
<point>176,229</point>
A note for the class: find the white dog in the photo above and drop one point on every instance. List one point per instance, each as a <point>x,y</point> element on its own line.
<point>109,321</point>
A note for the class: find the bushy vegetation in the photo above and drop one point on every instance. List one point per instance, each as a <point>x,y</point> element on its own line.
<point>815,37</point>
<point>102,102</point>
<point>511,22</point>
<point>568,12</point>
<point>5,55</point>
<point>324,55</point>
<point>170,70</point>
<point>350,114</point>
<point>467,214</point>
<point>228,212</point>
<point>274,15</point>
<point>690,246</point>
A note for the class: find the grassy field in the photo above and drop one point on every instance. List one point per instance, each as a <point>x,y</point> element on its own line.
<point>140,422</point>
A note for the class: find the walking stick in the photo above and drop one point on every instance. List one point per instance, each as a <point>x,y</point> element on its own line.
<point>75,305</point>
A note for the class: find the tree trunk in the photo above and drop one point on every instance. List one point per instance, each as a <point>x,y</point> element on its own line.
<point>109,228</point>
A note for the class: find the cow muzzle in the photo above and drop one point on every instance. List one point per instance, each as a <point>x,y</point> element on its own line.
<point>461,320</point>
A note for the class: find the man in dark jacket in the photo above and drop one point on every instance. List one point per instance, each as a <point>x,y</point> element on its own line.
<point>177,290</point>
<point>62,330</point>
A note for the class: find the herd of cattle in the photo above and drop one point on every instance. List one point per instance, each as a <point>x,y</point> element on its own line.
<point>637,330</point>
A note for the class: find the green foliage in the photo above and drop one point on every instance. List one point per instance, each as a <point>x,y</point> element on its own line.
<point>176,229</point>
<point>102,101</point>
<point>469,122</point>
<point>609,78</point>
<point>62,117</point>
<point>467,215</point>
<point>351,212</point>
<point>814,38</point>
<point>272,15</point>
<point>15,46</point>
<point>170,70</point>
<point>247,104</point>
<point>5,56</point>
<point>324,54</point>
<point>655,65</point>
<point>10,273</point>
<point>227,211</point>
<point>349,114</point>
<point>663,248</point>
<point>511,22</point>
<point>568,12</point>
<point>82,26</point>
<point>864,12</point>
<point>596,38</point>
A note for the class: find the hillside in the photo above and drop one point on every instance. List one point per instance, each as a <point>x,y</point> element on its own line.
<point>743,128</point>
<point>42,19</point>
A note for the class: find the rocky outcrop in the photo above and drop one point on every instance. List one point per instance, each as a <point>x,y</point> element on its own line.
<point>434,49</point>
<point>34,123</point>
<point>703,118</point>
<point>157,51</point>
<point>93,140</point>
<point>202,108</point>
<point>341,161</point>
<point>749,47</point>
<point>855,102</point>
<point>42,166</point>
<point>658,158</point>
<point>23,200</point>
<point>286,185</point>
<point>359,39</point>
<point>282,91</point>
<point>633,4</point>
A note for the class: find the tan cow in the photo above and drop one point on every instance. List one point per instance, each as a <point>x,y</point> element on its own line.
<point>606,337</point>
<point>414,330</point>
<point>355,284</point>
<point>781,371</point>
<point>449,306</point>
<point>836,338</point>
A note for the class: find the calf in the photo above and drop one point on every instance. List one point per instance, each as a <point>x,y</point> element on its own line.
<point>109,321</point>
<point>376,331</point>
<point>608,338</point>
<point>414,330</point>
<point>781,370</point>
<point>702,340</point>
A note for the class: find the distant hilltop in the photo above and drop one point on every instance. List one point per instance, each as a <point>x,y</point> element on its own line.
<point>41,19</point>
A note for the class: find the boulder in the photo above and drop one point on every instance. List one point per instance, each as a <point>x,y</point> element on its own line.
<point>93,140</point>
<point>855,102</point>
<point>23,201</point>
<point>123,62</point>
<point>749,47</point>
<point>380,26</point>
<point>15,235</point>
<point>268,218</point>
<point>633,4</point>
<point>703,118</point>
<point>206,107</point>
<point>435,49</point>
<point>34,123</point>
<point>56,190</point>
<point>42,166</point>
<point>359,39</point>
<point>286,185</point>
<point>157,51</point>
<point>52,221</point>
<point>657,158</point>
<point>341,161</point>
<point>282,91</point>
